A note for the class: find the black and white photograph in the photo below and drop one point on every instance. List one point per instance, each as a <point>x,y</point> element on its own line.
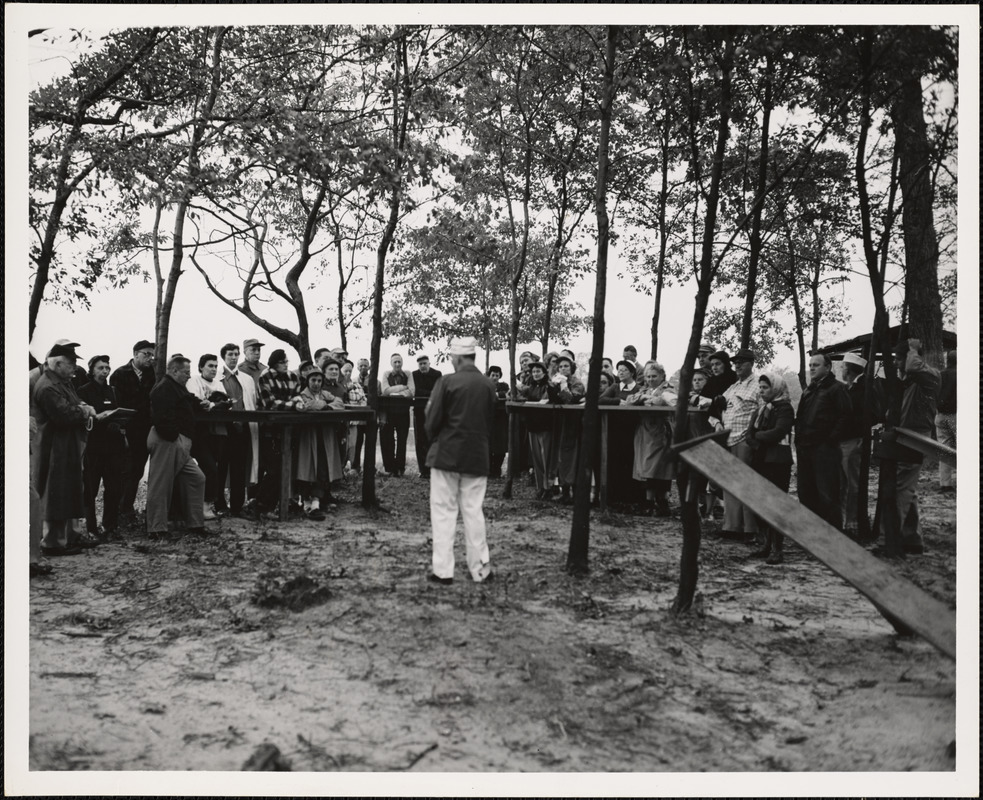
<point>475,400</point>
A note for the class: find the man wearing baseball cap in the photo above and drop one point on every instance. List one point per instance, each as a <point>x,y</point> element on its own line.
<point>63,421</point>
<point>459,419</point>
<point>172,411</point>
<point>132,383</point>
<point>251,365</point>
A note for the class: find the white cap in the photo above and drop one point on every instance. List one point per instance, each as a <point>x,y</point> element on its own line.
<point>855,360</point>
<point>463,346</point>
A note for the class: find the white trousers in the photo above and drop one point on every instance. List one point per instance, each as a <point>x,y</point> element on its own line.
<point>450,491</point>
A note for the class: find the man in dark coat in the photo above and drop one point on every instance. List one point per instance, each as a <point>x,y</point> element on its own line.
<point>63,422</point>
<point>172,411</point>
<point>424,379</point>
<point>824,412</point>
<point>459,421</point>
<point>105,452</point>
<point>132,383</point>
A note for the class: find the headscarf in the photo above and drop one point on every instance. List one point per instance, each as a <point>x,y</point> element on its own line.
<point>778,385</point>
<point>780,390</point>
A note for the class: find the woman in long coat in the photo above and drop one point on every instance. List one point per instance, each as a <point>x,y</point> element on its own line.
<point>769,436</point>
<point>539,425</point>
<point>653,465</point>
<point>318,455</point>
<point>567,389</point>
<point>63,422</point>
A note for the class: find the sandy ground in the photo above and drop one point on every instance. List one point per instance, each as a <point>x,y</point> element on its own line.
<point>150,655</point>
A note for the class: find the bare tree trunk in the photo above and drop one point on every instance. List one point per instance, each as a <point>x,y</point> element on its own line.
<point>402,93</point>
<point>166,302</point>
<point>754,254</point>
<point>577,554</point>
<point>65,187</point>
<point>660,269</point>
<point>689,558</point>
<point>921,243</point>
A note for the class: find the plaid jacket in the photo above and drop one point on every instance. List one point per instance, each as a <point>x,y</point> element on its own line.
<point>278,392</point>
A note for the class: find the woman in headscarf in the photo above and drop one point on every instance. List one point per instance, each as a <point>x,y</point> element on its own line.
<point>653,465</point>
<point>769,436</point>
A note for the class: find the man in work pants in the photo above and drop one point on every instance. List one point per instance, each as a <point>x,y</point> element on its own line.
<point>459,419</point>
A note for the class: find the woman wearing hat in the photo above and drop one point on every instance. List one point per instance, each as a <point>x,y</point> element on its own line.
<point>567,389</point>
<point>722,375</point>
<point>653,466</point>
<point>626,379</point>
<point>539,426</point>
<point>318,455</point>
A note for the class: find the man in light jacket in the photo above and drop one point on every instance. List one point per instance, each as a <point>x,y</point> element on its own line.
<point>459,420</point>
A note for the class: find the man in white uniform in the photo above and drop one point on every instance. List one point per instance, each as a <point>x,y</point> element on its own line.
<point>459,422</point>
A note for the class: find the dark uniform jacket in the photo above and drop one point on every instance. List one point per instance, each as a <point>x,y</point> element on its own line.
<point>172,409</point>
<point>423,383</point>
<point>134,392</point>
<point>460,415</point>
<point>106,436</point>
<point>824,411</point>
<point>854,427</point>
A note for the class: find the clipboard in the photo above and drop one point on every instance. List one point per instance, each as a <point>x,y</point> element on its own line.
<point>120,415</point>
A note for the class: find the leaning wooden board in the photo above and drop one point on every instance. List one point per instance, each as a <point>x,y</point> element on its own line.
<point>927,446</point>
<point>926,616</point>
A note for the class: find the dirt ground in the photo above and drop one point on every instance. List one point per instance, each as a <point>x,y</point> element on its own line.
<point>175,655</point>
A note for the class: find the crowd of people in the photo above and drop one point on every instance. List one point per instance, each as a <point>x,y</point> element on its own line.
<point>100,427</point>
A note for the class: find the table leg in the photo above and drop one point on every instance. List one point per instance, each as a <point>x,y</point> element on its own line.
<point>286,456</point>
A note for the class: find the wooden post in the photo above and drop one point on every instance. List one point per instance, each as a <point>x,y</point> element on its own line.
<point>602,490</point>
<point>514,448</point>
<point>286,457</point>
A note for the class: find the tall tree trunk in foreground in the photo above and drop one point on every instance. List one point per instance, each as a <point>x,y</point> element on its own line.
<point>921,244</point>
<point>577,555</point>
<point>689,560</point>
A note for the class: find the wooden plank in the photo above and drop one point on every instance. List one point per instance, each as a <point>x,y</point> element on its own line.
<point>926,616</point>
<point>926,445</point>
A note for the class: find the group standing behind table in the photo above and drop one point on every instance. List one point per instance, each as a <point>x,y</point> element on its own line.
<point>77,438</point>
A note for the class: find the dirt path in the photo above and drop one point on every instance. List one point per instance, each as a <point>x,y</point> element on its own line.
<point>156,656</point>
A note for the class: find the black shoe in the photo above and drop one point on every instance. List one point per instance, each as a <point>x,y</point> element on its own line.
<point>913,547</point>
<point>317,515</point>
<point>732,536</point>
<point>61,551</point>
<point>662,508</point>
<point>775,558</point>
<point>85,542</point>
<point>442,581</point>
<point>200,532</point>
